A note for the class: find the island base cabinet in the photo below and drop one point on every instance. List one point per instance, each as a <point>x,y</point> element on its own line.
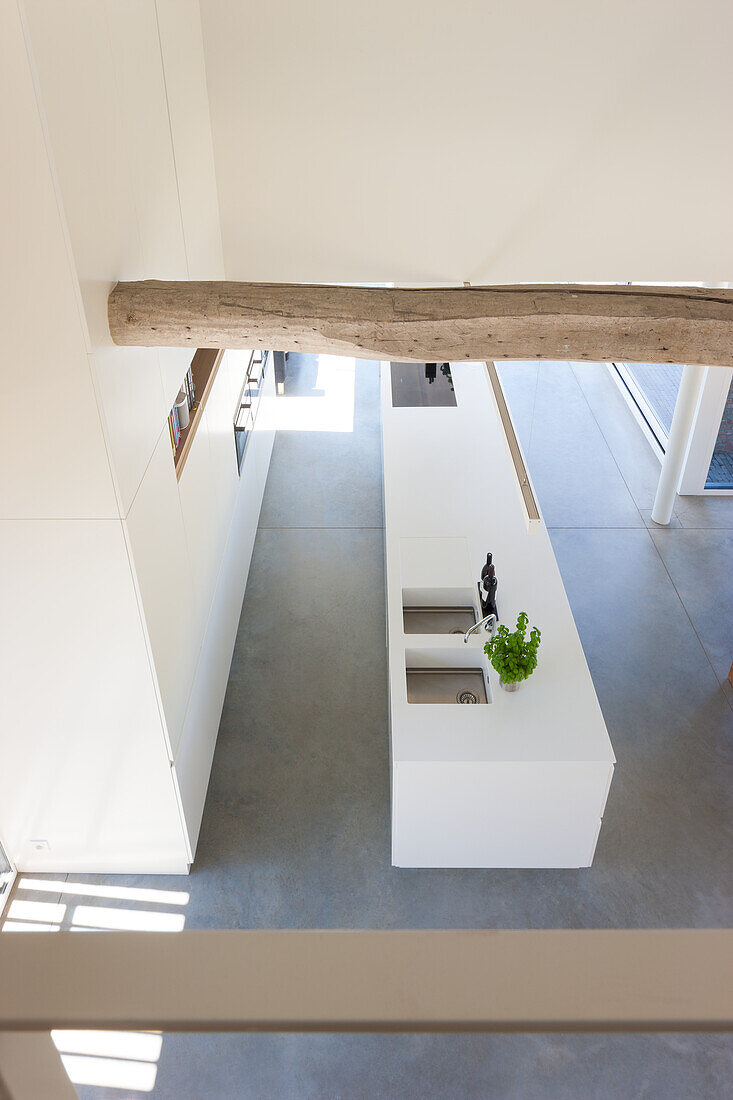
<point>497,814</point>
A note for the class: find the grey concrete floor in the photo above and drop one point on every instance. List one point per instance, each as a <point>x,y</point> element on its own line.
<point>296,827</point>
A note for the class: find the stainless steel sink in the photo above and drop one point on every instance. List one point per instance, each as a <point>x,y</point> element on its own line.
<point>446,685</point>
<point>437,620</point>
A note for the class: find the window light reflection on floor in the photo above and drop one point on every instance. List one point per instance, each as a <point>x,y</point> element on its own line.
<point>114,1060</point>
<point>110,1059</point>
<point>29,926</point>
<point>330,408</point>
<point>46,912</point>
<point>92,889</point>
<point>115,1073</point>
<point>127,920</point>
<point>140,1046</point>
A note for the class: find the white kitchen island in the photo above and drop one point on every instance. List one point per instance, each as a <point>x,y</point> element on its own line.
<point>522,780</point>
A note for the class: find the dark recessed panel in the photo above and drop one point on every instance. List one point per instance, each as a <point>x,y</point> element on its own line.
<point>427,385</point>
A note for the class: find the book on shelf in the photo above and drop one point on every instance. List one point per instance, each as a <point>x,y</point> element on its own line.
<point>174,424</point>
<point>175,428</point>
<point>190,388</point>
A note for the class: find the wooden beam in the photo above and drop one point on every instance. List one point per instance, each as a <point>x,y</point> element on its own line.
<point>595,323</point>
<point>391,981</point>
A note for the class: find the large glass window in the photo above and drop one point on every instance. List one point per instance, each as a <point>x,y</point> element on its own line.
<point>720,474</point>
<point>653,388</point>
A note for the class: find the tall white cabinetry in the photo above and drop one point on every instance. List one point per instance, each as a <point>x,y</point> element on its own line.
<point>120,585</point>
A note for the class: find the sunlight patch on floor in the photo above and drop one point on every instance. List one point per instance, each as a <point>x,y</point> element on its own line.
<point>127,920</point>
<point>91,889</point>
<point>116,1073</point>
<point>120,1060</point>
<point>329,408</point>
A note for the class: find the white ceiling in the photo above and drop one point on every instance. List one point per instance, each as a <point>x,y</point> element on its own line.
<point>449,140</point>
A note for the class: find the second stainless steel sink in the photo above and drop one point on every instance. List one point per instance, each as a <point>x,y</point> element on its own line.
<point>446,685</point>
<point>437,620</point>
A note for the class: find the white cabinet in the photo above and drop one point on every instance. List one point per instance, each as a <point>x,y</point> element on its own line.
<point>198,741</point>
<point>161,564</point>
<point>201,521</point>
<point>264,431</point>
<point>110,568</point>
<point>80,727</point>
<point>220,412</point>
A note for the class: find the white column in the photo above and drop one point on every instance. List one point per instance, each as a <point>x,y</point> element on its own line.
<point>679,438</point>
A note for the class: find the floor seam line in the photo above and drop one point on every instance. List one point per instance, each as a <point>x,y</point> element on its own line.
<point>608,445</point>
<point>689,619</point>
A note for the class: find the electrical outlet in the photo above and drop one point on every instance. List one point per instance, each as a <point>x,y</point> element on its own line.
<point>40,845</point>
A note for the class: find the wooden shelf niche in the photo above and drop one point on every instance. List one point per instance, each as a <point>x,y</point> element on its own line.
<point>204,366</point>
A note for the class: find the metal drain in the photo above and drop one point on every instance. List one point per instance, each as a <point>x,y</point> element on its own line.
<point>457,630</point>
<point>466,697</point>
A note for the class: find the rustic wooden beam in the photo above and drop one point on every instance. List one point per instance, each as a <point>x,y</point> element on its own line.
<point>596,323</point>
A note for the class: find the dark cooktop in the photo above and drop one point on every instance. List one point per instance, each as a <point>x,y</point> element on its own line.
<point>427,385</point>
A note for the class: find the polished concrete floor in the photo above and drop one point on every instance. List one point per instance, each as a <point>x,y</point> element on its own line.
<point>296,827</point>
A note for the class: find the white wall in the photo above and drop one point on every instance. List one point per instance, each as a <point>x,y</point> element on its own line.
<point>104,109</point>
<point>198,740</point>
<point>120,79</point>
<point>47,385</point>
<point>449,140</point>
<point>82,744</point>
<point>124,90</point>
<point>82,754</point>
<point>122,589</point>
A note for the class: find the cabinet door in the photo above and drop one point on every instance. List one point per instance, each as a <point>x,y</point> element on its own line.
<point>220,410</point>
<point>160,555</point>
<point>200,508</point>
<point>265,423</point>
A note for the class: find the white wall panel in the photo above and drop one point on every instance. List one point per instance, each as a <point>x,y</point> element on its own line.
<point>202,523</point>
<point>264,432</point>
<point>220,415</point>
<point>430,141</point>
<point>73,50</point>
<point>105,94</point>
<point>52,450</point>
<point>179,23</point>
<point>174,362</point>
<point>146,135</point>
<point>233,368</point>
<point>197,744</point>
<point>99,683</point>
<point>160,555</point>
<point>134,409</point>
<point>81,738</point>
<point>198,740</point>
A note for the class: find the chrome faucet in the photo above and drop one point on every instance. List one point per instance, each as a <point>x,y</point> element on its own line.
<point>489,623</point>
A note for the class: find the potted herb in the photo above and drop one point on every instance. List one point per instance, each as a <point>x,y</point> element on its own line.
<point>513,655</point>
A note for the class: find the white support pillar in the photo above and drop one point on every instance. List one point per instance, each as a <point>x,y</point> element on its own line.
<point>679,438</point>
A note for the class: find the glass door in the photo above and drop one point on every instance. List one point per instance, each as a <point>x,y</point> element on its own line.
<point>720,471</point>
<point>652,387</point>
